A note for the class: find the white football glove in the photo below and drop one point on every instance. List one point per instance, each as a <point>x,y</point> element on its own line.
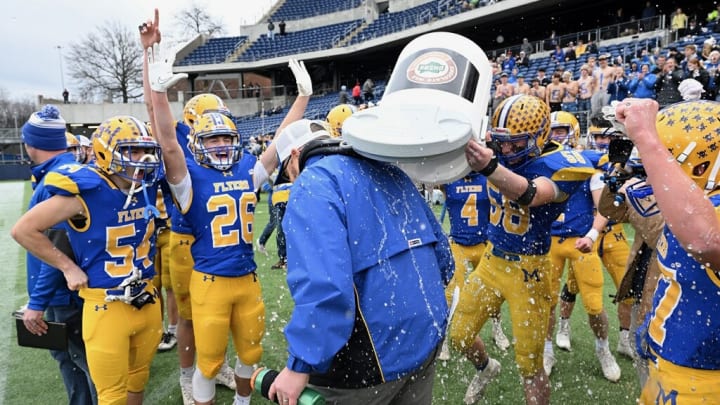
<point>302,78</point>
<point>608,113</point>
<point>160,70</point>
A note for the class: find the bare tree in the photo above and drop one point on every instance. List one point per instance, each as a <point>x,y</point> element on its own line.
<point>107,64</point>
<point>195,20</point>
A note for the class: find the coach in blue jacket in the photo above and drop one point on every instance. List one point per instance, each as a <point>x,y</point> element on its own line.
<point>45,142</point>
<point>367,266</point>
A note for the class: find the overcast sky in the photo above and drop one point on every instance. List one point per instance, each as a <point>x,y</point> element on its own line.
<point>32,30</point>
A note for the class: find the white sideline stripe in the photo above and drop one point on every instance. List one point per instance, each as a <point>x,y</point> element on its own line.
<point>11,207</point>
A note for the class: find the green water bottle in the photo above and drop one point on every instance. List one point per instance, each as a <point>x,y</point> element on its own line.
<point>263,378</point>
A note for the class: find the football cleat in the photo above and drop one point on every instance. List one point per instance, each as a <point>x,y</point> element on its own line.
<point>609,366</point>
<point>482,378</point>
<point>444,351</point>
<point>562,338</point>
<point>186,391</point>
<point>624,347</point>
<point>501,341</point>
<point>167,342</point>
<point>226,376</point>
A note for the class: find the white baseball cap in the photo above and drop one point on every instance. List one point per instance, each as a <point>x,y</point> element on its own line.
<point>297,135</point>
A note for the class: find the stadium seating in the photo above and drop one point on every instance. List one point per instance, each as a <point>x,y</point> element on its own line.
<point>314,39</point>
<point>388,23</point>
<point>215,50</point>
<point>299,9</point>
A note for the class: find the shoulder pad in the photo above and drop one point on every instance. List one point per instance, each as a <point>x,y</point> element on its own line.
<point>72,179</point>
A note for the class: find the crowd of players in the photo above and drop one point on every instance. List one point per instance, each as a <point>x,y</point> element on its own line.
<point>538,201</point>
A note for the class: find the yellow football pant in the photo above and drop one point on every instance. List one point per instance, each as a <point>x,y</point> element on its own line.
<point>181,267</point>
<point>221,305</point>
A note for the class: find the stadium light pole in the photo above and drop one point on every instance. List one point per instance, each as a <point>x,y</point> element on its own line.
<point>62,75</point>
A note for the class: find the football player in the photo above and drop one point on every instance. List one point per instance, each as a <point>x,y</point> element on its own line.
<point>574,234</point>
<point>468,207</point>
<point>216,195</point>
<point>529,181</point>
<point>111,227</point>
<point>680,335</point>
<point>612,248</point>
<point>337,116</point>
<point>74,147</point>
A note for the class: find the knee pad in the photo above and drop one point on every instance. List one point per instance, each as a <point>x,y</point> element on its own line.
<point>593,303</point>
<point>203,388</point>
<point>138,379</point>
<point>243,370</point>
<point>566,295</point>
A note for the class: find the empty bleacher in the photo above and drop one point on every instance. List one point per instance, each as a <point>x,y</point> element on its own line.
<point>299,9</point>
<point>310,40</point>
<point>215,50</point>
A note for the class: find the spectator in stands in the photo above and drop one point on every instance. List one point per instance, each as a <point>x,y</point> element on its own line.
<point>523,59</point>
<point>712,64</point>
<point>271,29</point>
<point>642,84</point>
<point>508,62</point>
<point>570,54</point>
<point>558,55</point>
<point>712,19</point>
<point>369,90</point>
<point>679,22</point>
<point>674,54</point>
<point>344,96</point>
<point>618,87</point>
<point>66,96</point>
<point>526,47</point>
<point>666,85</point>
<point>569,101</point>
<point>256,90</point>
<point>591,47</point>
<point>357,93</point>
<point>537,90</point>
<point>689,51</point>
<point>522,87</point>
<point>282,27</point>
<point>585,88</point>
<point>693,28</point>
<point>512,78</point>
<point>659,64</point>
<point>555,92</point>
<point>544,80</point>
<point>502,90</point>
<point>552,41</point>
<point>603,76</point>
<point>580,48</point>
<point>649,11</point>
<point>696,70</point>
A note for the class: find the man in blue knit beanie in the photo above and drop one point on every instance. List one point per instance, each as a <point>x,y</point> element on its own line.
<point>45,130</point>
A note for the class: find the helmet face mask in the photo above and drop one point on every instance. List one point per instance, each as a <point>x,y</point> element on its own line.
<point>564,120</point>
<point>215,142</point>
<point>521,127</point>
<point>74,147</point>
<point>123,146</point>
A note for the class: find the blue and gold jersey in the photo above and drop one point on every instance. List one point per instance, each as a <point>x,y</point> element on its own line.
<point>111,240</point>
<point>577,219</point>
<point>525,230</point>
<point>221,216</point>
<point>684,325</point>
<point>468,206</point>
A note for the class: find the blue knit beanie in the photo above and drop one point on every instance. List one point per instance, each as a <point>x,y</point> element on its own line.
<point>45,130</point>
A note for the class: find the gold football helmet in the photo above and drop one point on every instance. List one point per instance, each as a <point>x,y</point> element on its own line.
<point>521,118</point>
<point>114,142</point>
<point>201,104</point>
<point>337,116</point>
<point>564,119</point>
<point>215,153</point>
<point>691,132</point>
<point>74,147</point>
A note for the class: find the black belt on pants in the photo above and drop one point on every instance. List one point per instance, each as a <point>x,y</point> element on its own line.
<point>505,255</point>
